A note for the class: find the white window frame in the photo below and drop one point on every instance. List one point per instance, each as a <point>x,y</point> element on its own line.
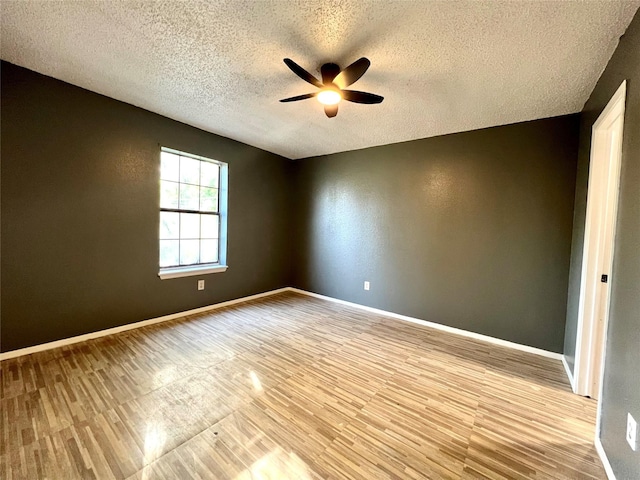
<point>201,268</point>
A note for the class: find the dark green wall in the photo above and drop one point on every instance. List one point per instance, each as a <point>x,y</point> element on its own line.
<point>621,375</point>
<point>471,230</point>
<point>80,213</point>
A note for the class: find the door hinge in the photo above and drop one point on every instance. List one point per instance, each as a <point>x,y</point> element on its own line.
<point>604,278</point>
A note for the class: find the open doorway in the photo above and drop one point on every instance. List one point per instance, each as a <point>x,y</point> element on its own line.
<point>599,242</point>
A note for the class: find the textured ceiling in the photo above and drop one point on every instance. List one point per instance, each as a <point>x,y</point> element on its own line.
<point>442,66</point>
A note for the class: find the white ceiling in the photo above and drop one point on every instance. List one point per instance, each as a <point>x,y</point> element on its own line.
<point>442,66</point>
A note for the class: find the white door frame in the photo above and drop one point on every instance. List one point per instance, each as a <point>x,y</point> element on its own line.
<point>599,241</point>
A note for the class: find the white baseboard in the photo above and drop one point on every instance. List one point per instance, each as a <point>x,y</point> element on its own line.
<point>569,374</point>
<point>165,318</point>
<point>130,326</point>
<point>604,459</point>
<point>445,328</point>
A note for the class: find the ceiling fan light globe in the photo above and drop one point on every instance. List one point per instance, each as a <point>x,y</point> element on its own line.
<point>329,97</point>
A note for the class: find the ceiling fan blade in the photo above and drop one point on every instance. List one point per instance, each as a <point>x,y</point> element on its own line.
<point>299,97</point>
<point>361,97</point>
<point>331,110</point>
<point>352,73</point>
<point>302,73</point>
<point>329,72</point>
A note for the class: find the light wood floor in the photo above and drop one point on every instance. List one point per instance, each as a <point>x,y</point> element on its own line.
<point>292,387</point>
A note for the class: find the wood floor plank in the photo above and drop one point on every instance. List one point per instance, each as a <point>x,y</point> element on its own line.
<point>290,386</point>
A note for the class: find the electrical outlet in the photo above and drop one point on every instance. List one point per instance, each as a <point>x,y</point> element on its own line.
<point>200,284</point>
<point>366,285</point>
<point>632,432</point>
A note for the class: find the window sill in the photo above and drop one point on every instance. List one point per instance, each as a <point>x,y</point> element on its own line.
<point>177,272</point>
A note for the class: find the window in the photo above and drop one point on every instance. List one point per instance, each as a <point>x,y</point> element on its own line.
<point>192,214</point>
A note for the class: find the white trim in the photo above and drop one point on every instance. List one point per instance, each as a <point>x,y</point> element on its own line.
<point>177,272</point>
<point>569,374</point>
<point>438,326</point>
<point>617,101</point>
<point>588,337</point>
<point>604,459</point>
<point>131,326</point>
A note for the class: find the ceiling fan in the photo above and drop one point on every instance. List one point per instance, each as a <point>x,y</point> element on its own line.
<point>330,93</point>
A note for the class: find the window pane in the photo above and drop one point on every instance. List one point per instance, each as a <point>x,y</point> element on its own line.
<point>189,225</point>
<point>169,225</point>
<point>208,199</point>
<point>189,197</point>
<point>189,252</point>
<point>169,253</point>
<point>209,174</point>
<point>209,226</point>
<point>169,166</point>
<point>189,170</point>
<point>208,251</point>
<point>168,194</point>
